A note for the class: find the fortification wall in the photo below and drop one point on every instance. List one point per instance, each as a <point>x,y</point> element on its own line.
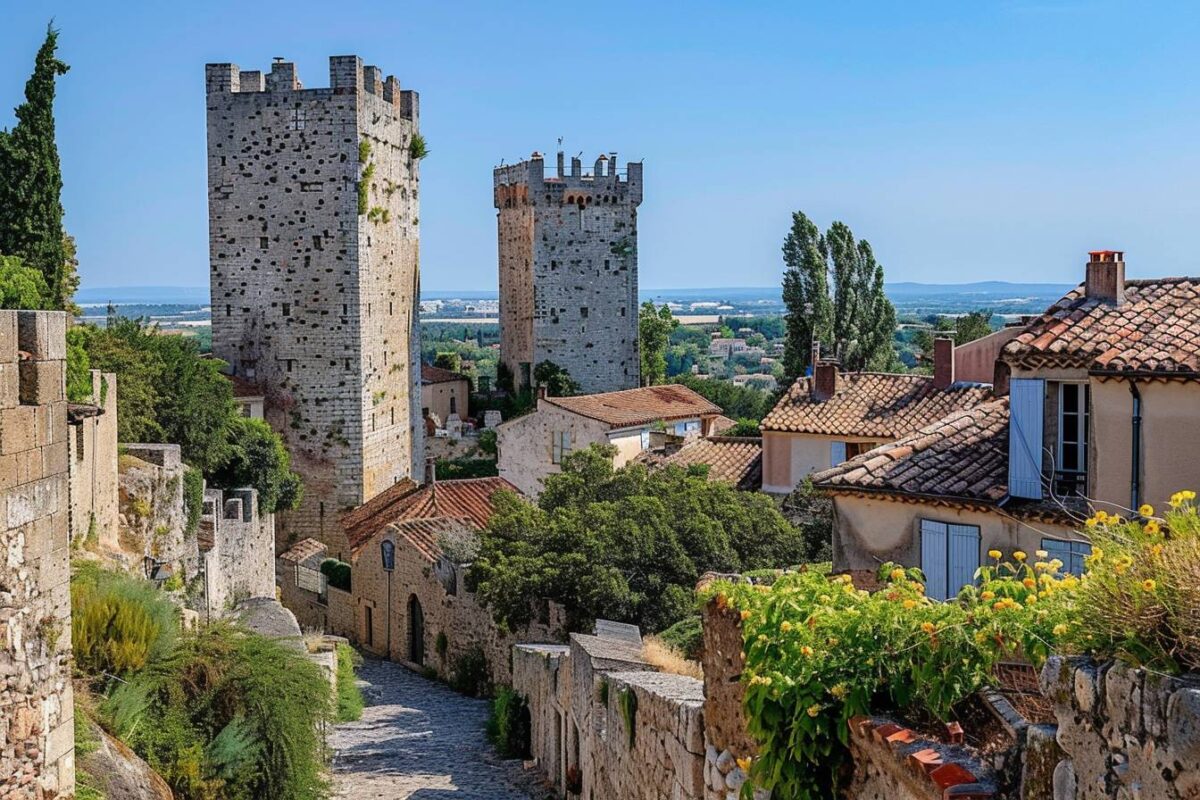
<point>37,742</point>
<point>314,254</point>
<point>92,460</point>
<point>238,548</point>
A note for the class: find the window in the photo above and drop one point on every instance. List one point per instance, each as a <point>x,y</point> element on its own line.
<point>1070,476</point>
<point>298,119</point>
<point>453,404</point>
<point>560,445</point>
<point>854,449</point>
<point>684,428</point>
<point>287,309</point>
<point>1071,554</point>
<point>645,440</point>
<point>263,243</point>
<point>583,311</point>
<point>949,557</point>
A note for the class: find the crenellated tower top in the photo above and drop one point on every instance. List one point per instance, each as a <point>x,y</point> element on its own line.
<point>528,179</point>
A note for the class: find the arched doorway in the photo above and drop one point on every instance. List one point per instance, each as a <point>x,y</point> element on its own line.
<point>416,631</point>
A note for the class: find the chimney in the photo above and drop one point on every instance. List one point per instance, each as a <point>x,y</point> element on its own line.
<point>431,471</point>
<point>1106,276</point>
<point>816,356</point>
<point>541,391</point>
<point>943,362</point>
<point>825,378</point>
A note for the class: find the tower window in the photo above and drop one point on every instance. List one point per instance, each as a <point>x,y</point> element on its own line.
<point>287,309</point>
<point>263,243</point>
<point>583,311</point>
<point>317,243</point>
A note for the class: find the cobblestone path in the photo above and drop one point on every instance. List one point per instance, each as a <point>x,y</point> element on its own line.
<point>419,740</point>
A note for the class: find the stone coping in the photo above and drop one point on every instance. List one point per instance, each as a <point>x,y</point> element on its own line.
<point>933,769</point>
<point>675,688</point>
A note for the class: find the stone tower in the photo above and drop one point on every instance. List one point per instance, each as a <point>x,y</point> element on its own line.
<point>568,271</point>
<point>313,241</point>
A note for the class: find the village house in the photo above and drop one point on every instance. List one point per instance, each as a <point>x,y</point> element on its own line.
<point>532,446</point>
<point>406,599</point>
<point>832,416</point>
<point>725,348</point>
<point>444,395</point>
<point>736,460</point>
<point>1103,390</point>
<point>249,396</point>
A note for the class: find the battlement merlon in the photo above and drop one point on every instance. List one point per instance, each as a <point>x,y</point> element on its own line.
<point>347,75</point>
<point>532,173</point>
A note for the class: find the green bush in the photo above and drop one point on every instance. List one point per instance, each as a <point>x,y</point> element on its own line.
<point>471,675</point>
<point>464,467</point>
<point>686,636</point>
<point>118,624</point>
<point>337,573</point>
<point>508,725</point>
<point>487,441</point>
<point>193,497</point>
<point>349,697</point>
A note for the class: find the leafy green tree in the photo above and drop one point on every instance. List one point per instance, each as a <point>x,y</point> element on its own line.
<point>809,312</point>
<point>31,212</point>
<point>79,375</point>
<point>558,381</point>
<point>738,402</point>
<point>624,544</point>
<point>258,458</point>
<point>744,427</point>
<point>450,361</point>
<point>963,329</point>
<point>21,287</point>
<point>654,332</point>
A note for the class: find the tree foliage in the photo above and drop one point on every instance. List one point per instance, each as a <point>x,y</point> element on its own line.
<point>258,458</point>
<point>833,291</point>
<point>558,381</point>
<point>21,287</point>
<point>738,402</point>
<point>654,333</point>
<point>31,212</point>
<point>624,544</point>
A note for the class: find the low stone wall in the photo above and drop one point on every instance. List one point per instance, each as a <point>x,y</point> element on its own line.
<point>92,459</point>
<point>238,546</point>
<point>1127,733</point>
<point>153,516</point>
<point>892,762</point>
<point>541,673</point>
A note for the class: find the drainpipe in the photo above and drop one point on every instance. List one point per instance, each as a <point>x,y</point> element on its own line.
<point>1135,455</point>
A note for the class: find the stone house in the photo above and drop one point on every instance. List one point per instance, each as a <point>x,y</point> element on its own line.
<point>724,348</point>
<point>531,447</point>
<point>444,394</point>
<point>249,397</point>
<point>733,459</point>
<point>92,458</point>
<point>831,416</point>
<point>1101,413</point>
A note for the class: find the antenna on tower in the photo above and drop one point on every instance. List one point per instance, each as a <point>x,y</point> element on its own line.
<point>560,141</point>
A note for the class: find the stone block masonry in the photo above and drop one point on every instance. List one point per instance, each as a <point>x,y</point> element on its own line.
<point>313,239</point>
<point>568,271</point>
<point>37,746</point>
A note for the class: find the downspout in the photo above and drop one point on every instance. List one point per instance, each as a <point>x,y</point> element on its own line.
<point>1135,455</point>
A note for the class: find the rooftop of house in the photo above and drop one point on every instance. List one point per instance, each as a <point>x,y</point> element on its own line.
<point>631,407</point>
<point>871,404</point>
<point>302,551</point>
<point>1155,328</point>
<point>733,459</point>
<point>426,535</point>
<point>432,374</point>
<point>963,456</point>
<point>243,387</point>
<point>471,499</point>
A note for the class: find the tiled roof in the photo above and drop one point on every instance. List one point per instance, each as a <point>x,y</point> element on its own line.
<point>733,459</point>
<point>432,374</point>
<point>468,498</point>
<point>872,404</point>
<point>638,406</point>
<point>721,424</point>
<point>964,457</point>
<point>425,534</point>
<point>245,388</point>
<point>1156,329</point>
<point>302,551</point>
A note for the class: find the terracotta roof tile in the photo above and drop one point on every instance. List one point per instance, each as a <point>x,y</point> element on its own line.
<point>964,456</point>
<point>432,374</point>
<point>638,406</point>
<point>1156,329</point>
<point>733,459</point>
<point>245,388</point>
<point>302,551</point>
<point>468,498</point>
<point>425,535</point>
<point>872,404</point>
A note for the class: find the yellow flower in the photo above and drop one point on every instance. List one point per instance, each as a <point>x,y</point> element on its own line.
<point>760,680</point>
<point>1031,600</point>
<point>1101,516</point>
<point>1029,583</point>
<point>994,554</point>
<point>785,626</point>
<point>909,604</point>
<point>1149,585</point>
<point>806,651</point>
<point>1041,553</point>
<point>999,605</point>
<point>980,637</point>
<point>1156,550</point>
<point>762,637</point>
<point>927,627</point>
<point>1188,494</point>
<point>987,595</point>
<point>1060,629</point>
<point>919,587</point>
<point>839,690</point>
<point>743,764</point>
<point>1151,527</point>
<point>813,710</point>
<point>1019,555</point>
<point>1091,522</point>
<point>897,574</point>
<point>745,616</point>
<point>832,641</point>
<point>1146,510</point>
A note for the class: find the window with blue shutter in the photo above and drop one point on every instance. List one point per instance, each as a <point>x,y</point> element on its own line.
<point>1026,399</point>
<point>949,557</point>
<point>1071,554</point>
<point>964,556</point>
<point>837,453</point>
<point>933,558</point>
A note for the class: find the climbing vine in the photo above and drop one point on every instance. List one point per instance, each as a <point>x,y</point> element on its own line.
<point>627,702</point>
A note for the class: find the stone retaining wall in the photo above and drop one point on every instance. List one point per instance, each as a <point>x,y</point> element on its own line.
<point>92,445</point>
<point>1127,733</point>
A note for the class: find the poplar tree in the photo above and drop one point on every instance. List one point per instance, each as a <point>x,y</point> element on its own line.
<point>809,313</point>
<point>31,212</point>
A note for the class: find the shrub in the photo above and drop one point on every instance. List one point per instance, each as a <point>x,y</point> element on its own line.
<point>471,675</point>
<point>627,702</point>
<point>668,658</point>
<point>509,724</point>
<point>487,441</point>
<point>686,636</point>
<point>417,149</point>
<point>193,497</point>
<point>466,467</point>
<point>118,624</point>
<point>349,696</point>
<point>337,572</point>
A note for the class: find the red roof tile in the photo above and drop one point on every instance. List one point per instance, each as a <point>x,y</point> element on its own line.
<point>245,388</point>
<point>872,404</point>
<point>425,535</point>
<point>1156,329</point>
<point>733,459</point>
<point>302,551</point>
<point>631,407</point>
<point>432,374</point>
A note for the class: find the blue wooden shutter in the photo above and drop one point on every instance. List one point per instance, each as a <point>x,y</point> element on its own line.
<point>837,453</point>
<point>964,556</point>
<point>1027,396</point>
<point>933,558</point>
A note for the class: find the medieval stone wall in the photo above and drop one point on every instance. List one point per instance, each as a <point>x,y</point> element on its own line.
<point>92,459</point>
<point>37,742</point>
<point>238,549</point>
<point>568,270</point>
<point>313,300</point>
<point>153,517</point>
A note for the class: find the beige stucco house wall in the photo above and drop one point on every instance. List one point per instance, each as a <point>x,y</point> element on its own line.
<point>789,457</point>
<point>445,398</point>
<point>874,530</point>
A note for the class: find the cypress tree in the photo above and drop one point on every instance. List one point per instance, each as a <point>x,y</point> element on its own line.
<point>809,313</point>
<point>844,259</point>
<point>31,212</point>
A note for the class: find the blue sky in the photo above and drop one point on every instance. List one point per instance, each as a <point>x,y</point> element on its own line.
<point>966,140</point>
